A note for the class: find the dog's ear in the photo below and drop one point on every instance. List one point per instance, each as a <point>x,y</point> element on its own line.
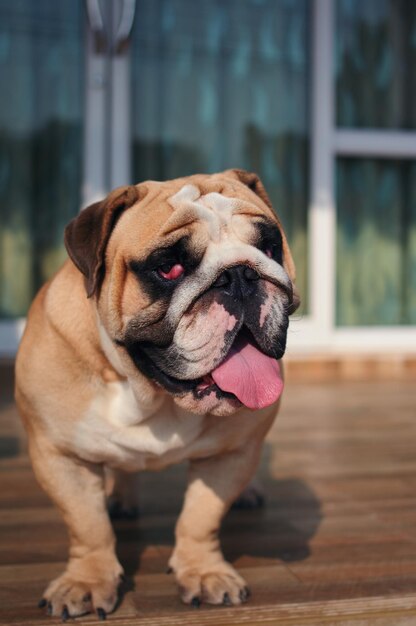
<point>87,235</point>
<point>253,182</point>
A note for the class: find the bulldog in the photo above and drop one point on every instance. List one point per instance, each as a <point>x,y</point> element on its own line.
<point>158,341</point>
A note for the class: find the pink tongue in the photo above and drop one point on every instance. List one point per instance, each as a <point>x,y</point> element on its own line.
<point>250,375</point>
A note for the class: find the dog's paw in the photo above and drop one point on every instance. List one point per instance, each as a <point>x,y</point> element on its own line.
<point>72,595</point>
<point>251,498</point>
<point>218,585</point>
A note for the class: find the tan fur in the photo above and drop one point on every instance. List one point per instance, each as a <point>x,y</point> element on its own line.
<point>85,405</point>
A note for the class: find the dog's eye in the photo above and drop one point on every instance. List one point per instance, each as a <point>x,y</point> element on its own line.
<point>171,271</point>
<point>269,241</point>
<point>271,250</point>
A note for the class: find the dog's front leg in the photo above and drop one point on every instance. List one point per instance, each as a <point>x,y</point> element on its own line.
<point>92,576</point>
<point>201,572</point>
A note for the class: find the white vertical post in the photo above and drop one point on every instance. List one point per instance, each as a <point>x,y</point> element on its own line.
<point>95,182</point>
<point>121,152</point>
<point>107,137</point>
<point>322,211</point>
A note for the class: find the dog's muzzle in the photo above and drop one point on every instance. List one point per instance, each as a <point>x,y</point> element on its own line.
<point>238,281</point>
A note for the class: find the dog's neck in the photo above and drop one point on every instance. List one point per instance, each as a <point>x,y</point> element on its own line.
<point>148,397</point>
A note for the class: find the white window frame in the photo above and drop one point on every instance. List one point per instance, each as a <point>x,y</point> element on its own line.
<point>318,332</point>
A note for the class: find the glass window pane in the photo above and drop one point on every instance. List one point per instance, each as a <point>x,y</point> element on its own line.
<point>225,84</point>
<point>375,63</point>
<point>41,109</point>
<point>376,242</point>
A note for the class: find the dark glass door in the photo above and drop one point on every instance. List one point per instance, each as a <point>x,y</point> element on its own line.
<point>225,84</point>
<point>41,134</point>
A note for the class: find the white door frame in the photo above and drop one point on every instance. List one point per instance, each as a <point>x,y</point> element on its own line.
<point>318,332</point>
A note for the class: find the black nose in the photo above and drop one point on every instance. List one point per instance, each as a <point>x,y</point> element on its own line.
<point>238,280</point>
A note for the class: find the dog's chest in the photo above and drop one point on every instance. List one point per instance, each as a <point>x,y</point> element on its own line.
<point>116,430</point>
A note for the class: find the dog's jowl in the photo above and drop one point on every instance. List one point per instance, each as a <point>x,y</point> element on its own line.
<point>158,341</point>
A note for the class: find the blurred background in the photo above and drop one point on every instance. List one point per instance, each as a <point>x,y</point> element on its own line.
<point>317,96</point>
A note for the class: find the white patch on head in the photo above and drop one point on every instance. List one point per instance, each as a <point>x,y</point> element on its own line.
<point>223,206</point>
<point>188,193</point>
<point>214,209</point>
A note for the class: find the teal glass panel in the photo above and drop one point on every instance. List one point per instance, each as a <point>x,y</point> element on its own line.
<point>375,43</point>
<point>224,84</point>
<point>41,111</point>
<point>376,242</point>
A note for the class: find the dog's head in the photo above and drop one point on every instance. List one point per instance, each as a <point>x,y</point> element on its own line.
<point>195,281</point>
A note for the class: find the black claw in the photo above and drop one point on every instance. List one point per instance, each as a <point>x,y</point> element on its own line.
<point>244,594</point>
<point>226,599</point>
<point>65,613</point>
<point>247,592</point>
<point>49,609</point>
<point>169,570</point>
<point>102,615</point>
<point>87,597</point>
<point>196,602</point>
<point>42,603</point>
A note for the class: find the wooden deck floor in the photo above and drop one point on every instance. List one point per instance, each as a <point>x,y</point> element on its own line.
<point>336,543</point>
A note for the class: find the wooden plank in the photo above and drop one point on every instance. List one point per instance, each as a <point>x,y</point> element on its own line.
<point>336,543</point>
